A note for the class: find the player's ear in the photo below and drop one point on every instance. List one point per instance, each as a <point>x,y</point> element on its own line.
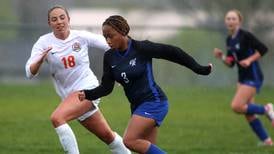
<point>49,21</point>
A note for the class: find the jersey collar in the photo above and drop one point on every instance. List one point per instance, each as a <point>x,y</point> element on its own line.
<point>127,51</point>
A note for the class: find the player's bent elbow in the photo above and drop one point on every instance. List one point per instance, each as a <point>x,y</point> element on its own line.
<point>29,75</point>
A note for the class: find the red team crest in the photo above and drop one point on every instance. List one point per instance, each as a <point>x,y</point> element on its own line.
<point>76,46</point>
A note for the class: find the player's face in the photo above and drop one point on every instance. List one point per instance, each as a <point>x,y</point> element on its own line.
<point>59,22</point>
<point>232,21</point>
<point>114,39</point>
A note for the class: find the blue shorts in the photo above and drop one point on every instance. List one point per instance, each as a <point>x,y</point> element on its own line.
<point>255,84</point>
<point>153,110</point>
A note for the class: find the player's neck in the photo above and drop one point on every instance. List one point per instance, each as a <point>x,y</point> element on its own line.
<point>62,36</point>
<point>234,32</point>
<point>124,45</point>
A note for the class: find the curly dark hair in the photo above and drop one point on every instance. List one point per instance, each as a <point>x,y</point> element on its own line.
<point>118,23</point>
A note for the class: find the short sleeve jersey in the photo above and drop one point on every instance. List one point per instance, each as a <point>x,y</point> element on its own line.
<point>68,60</point>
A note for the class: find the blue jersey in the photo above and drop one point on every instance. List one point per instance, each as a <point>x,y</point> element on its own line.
<point>240,47</point>
<point>133,70</point>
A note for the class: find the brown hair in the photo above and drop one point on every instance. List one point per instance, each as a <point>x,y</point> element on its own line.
<point>59,7</point>
<point>118,23</point>
<point>239,14</point>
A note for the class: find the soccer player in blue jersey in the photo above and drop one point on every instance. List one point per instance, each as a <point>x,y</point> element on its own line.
<point>129,62</point>
<point>244,50</point>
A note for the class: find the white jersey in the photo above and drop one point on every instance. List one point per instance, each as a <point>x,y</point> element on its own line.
<point>68,60</point>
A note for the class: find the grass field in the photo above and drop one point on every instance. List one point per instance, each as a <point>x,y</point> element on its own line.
<point>199,122</point>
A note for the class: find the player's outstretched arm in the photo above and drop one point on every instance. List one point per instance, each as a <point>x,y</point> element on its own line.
<point>176,55</point>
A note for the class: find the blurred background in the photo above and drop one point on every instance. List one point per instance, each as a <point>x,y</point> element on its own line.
<point>200,120</point>
<point>196,26</point>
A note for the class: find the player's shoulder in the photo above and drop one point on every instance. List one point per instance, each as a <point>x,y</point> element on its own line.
<point>139,44</point>
<point>109,52</point>
<point>46,37</point>
<point>83,33</point>
<point>76,33</point>
<point>246,33</point>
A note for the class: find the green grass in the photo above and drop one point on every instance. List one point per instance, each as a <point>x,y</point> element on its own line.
<point>199,122</point>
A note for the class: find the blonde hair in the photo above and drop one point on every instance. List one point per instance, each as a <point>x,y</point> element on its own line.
<point>239,14</point>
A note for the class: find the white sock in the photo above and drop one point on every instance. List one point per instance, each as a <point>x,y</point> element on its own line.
<point>117,146</point>
<point>67,139</point>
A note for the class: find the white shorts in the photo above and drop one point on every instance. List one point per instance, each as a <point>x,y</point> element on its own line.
<point>91,112</point>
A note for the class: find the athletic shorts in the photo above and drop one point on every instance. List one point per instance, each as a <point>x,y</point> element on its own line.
<point>91,112</point>
<point>153,110</point>
<point>255,84</point>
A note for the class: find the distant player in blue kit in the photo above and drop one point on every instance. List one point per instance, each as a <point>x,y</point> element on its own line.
<point>129,62</point>
<point>244,49</point>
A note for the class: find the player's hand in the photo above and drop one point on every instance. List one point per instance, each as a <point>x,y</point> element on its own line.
<point>218,53</point>
<point>245,63</point>
<point>45,53</point>
<point>210,66</point>
<point>35,66</point>
<point>81,95</point>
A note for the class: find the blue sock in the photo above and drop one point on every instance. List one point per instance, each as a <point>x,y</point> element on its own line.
<point>258,128</point>
<point>153,149</point>
<point>255,109</point>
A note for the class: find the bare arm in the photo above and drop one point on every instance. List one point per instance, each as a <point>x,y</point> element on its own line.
<point>34,67</point>
<point>218,53</point>
<point>246,62</point>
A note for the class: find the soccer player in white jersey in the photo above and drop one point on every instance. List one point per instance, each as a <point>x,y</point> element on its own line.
<point>66,52</point>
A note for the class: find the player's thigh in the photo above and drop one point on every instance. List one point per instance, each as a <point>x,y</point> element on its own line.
<point>244,94</point>
<point>97,124</point>
<point>140,128</point>
<point>152,135</point>
<point>71,107</point>
<point>252,99</point>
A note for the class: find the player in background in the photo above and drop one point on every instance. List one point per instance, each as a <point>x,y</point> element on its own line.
<point>66,52</point>
<point>244,50</point>
<point>129,62</point>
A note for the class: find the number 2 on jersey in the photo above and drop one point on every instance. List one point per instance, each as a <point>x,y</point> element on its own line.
<point>68,61</point>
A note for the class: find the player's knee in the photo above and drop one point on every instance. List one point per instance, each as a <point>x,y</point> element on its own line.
<point>56,120</point>
<point>237,107</point>
<point>250,117</point>
<point>129,143</point>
